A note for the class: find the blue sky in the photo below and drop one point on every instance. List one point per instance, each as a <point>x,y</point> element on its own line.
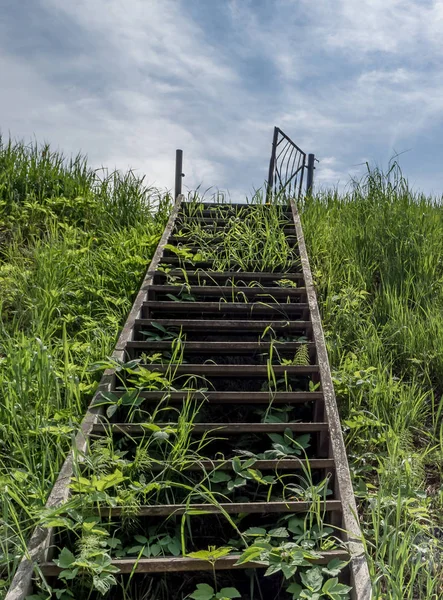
<point>129,81</point>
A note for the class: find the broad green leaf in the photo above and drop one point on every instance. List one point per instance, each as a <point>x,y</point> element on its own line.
<point>203,592</point>
<point>295,589</point>
<point>134,549</point>
<point>256,475</point>
<point>111,410</point>
<point>141,539</point>
<point>68,574</point>
<point>228,593</point>
<point>65,559</point>
<point>248,463</point>
<point>80,484</point>
<point>288,570</point>
<point>298,558</point>
<point>164,541</point>
<point>151,426</point>
<point>280,532</point>
<point>249,555</point>
<point>255,531</point>
<point>275,568</point>
<point>334,567</point>
<point>236,465</point>
<point>212,554</point>
<point>58,522</point>
<point>304,440</point>
<point>334,589</point>
<point>174,547</point>
<point>220,477</point>
<point>312,579</point>
<point>103,582</point>
<point>109,480</point>
<point>238,482</point>
<point>296,525</point>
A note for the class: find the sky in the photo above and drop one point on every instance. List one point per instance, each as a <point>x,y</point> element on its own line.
<point>128,81</point>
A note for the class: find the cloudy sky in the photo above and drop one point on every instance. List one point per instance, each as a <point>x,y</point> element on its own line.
<point>129,81</point>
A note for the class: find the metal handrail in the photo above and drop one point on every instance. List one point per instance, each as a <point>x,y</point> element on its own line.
<point>287,166</point>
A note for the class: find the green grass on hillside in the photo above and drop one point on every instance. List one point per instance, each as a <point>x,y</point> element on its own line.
<point>74,245</point>
<point>73,248</point>
<point>377,260</point>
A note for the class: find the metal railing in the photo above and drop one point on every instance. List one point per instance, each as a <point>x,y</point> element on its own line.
<point>287,166</point>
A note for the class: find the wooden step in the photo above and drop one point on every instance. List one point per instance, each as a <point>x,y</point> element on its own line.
<point>232,370</point>
<point>251,398</point>
<point>236,275</point>
<point>208,264</point>
<point>225,325</point>
<point>229,291</point>
<point>223,347</point>
<point>185,564</point>
<point>232,508</point>
<point>141,429</point>
<point>152,308</point>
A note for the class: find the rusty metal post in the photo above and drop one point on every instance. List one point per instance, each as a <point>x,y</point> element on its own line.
<point>310,177</point>
<point>272,165</point>
<point>178,172</point>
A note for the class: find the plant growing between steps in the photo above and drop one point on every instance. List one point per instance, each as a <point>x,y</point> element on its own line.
<point>165,463</point>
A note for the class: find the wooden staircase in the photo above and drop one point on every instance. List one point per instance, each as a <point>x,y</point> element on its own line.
<point>233,335</point>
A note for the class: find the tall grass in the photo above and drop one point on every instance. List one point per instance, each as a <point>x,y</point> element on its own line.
<point>376,254</point>
<point>74,244</point>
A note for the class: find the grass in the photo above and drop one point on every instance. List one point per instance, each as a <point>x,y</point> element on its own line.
<point>74,246</point>
<point>376,255</point>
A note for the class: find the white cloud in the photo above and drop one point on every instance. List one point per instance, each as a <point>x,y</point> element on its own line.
<point>388,26</point>
<point>344,78</point>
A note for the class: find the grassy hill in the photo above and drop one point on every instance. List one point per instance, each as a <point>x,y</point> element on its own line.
<point>73,247</point>
<point>377,258</point>
<point>74,244</point>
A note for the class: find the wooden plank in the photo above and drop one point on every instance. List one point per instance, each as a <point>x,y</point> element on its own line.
<point>359,569</point>
<point>212,206</point>
<point>232,370</point>
<point>257,306</point>
<point>139,429</point>
<point>210,214</point>
<point>216,237</point>
<point>210,219</point>
<point>258,398</point>
<point>175,564</point>
<point>284,464</point>
<point>229,291</point>
<point>287,229</point>
<point>223,347</point>
<point>211,325</point>
<point>242,275</point>
<point>208,264</point>
<point>231,508</point>
<point>264,308</point>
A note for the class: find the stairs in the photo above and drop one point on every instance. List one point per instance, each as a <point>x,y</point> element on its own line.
<point>228,358</point>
